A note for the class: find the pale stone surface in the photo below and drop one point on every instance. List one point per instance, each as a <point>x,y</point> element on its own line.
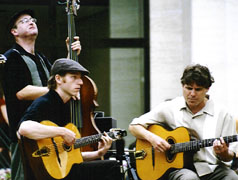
<point>214,43</point>
<point>207,35</point>
<point>170,47</point>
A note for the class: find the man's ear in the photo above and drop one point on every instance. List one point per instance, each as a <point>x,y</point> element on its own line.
<point>58,79</point>
<point>14,31</point>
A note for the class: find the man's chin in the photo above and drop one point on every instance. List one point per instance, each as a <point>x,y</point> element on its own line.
<point>191,103</point>
<point>34,32</point>
<point>76,94</point>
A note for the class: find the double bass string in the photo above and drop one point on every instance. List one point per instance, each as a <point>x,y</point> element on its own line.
<point>82,110</point>
<point>76,113</point>
<point>75,105</point>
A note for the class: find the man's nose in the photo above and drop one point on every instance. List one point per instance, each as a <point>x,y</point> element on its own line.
<point>80,81</point>
<point>193,92</point>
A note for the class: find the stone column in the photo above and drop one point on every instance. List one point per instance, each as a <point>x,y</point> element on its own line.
<point>170,47</point>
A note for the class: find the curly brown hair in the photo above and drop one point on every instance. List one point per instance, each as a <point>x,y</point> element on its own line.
<point>197,74</point>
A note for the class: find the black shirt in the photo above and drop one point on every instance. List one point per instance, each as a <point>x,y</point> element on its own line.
<point>51,107</point>
<point>16,77</point>
<point>48,107</point>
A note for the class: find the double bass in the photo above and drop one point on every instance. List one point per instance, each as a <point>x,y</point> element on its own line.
<point>82,110</point>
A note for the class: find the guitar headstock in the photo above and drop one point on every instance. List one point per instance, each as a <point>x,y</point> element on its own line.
<point>118,133</point>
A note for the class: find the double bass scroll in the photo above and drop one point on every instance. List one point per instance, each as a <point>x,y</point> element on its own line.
<point>82,111</point>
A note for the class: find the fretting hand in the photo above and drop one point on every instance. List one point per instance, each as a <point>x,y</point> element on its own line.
<point>104,144</point>
<point>220,148</point>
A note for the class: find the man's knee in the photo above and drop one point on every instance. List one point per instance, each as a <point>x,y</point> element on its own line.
<point>231,176</point>
<point>183,174</point>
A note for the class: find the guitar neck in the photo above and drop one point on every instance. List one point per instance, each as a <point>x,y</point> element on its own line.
<point>197,144</point>
<point>90,139</point>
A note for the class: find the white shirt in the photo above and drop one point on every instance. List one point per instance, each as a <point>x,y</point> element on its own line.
<point>212,121</point>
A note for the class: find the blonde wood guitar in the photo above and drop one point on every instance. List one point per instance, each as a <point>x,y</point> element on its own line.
<point>152,165</point>
<point>50,158</point>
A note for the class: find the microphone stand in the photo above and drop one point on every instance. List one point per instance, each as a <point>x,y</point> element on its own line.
<point>132,170</point>
<point>120,144</point>
<point>120,155</point>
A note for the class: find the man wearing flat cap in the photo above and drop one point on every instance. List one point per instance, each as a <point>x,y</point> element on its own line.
<point>64,83</point>
<point>26,73</point>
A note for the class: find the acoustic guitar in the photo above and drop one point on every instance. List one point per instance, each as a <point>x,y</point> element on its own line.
<point>152,165</point>
<point>51,158</point>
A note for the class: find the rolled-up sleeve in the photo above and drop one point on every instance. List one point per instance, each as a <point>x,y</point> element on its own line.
<point>157,115</point>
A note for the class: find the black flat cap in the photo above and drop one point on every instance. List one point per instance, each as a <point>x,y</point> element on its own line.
<point>67,65</point>
<point>14,18</point>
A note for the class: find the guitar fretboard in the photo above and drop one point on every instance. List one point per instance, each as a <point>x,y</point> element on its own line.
<point>90,139</point>
<point>197,144</point>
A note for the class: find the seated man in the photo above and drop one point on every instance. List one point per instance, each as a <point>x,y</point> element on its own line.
<point>64,83</point>
<point>197,112</point>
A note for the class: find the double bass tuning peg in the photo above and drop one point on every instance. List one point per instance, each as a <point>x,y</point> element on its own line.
<point>77,5</point>
<point>61,2</point>
<point>75,2</point>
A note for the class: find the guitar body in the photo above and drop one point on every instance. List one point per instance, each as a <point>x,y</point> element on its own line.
<point>155,164</point>
<point>49,166</point>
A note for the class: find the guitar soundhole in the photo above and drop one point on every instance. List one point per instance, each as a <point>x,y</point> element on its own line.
<point>67,148</point>
<point>170,157</point>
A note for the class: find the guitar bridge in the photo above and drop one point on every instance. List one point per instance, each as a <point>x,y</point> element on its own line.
<point>140,154</point>
<point>45,151</point>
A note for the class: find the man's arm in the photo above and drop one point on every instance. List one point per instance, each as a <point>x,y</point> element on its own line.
<point>142,133</point>
<point>103,147</point>
<point>31,92</point>
<point>3,110</point>
<point>36,131</point>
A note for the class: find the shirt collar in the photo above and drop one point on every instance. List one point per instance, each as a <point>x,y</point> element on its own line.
<point>22,50</point>
<point>207,109</point>
<point>57,97</point>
